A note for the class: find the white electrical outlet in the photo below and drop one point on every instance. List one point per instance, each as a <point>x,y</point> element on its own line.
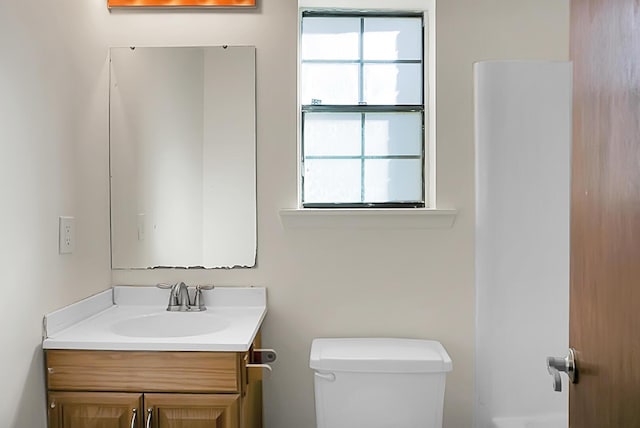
<point>66,235</point>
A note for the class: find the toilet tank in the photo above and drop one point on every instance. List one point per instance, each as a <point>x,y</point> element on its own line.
<point>379,383</point>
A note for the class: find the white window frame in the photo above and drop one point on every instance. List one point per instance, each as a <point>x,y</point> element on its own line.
<point>426,7</point>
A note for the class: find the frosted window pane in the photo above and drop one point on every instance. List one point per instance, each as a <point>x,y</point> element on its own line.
<point>329,180</point>
<point>393,84</point>
<point>330,38</point>
<point>329,83</point>
<point>332,134</point>
<point>393,134</point>
<point>393,180</point>
<point>392,38</point>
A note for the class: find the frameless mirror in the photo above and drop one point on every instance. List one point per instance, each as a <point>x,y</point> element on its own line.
<point>182,157</point>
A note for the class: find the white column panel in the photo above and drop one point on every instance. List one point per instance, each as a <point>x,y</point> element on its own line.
<point>523,142</point>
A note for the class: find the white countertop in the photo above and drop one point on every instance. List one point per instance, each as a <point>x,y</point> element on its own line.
<point>95,323</point>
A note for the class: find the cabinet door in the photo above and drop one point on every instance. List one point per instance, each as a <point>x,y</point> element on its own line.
<point>192,410</point>
<point>95,410</point>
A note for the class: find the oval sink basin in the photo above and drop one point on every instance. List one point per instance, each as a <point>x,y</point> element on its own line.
<point>170,324</point>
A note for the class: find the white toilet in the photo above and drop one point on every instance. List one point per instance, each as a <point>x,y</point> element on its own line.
<point>379,383</point>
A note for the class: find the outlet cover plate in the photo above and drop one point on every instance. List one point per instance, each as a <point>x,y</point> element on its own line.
<point>66,235</point>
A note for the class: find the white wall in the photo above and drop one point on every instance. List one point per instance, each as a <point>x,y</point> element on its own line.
<point>523,151</point>
<point>320,282</point>
<point>53,139</point>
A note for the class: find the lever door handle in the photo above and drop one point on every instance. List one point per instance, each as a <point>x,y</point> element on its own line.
<point>556,365</point>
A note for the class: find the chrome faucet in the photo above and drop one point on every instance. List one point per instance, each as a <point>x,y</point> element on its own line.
<point>179,298</point>
<point>180,301</point>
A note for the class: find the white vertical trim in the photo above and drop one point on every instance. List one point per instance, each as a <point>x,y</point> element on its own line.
<point>298,113</point>
<point>429,9</point>
<point>430,93</point>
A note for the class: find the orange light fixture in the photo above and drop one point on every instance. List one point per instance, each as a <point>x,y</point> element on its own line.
<point>181,3</point>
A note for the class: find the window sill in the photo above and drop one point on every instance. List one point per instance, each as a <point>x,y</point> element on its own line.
<point>367,218</point>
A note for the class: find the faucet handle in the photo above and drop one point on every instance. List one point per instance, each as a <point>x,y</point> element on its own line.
<point>164,286</point>
<point>198,300</point>
<point>173,297</point>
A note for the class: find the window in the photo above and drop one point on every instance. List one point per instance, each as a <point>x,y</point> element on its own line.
<point>362,109</point>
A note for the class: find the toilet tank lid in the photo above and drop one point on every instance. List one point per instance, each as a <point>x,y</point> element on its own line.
<point>379,355</point>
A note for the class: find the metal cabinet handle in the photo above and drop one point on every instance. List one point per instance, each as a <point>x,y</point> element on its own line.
<point>149,413</point>
<point>555,365</point>
<point>133,418</point>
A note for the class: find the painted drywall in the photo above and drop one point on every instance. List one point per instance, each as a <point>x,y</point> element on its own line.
<point>53,139</point>
<point>404,283</point>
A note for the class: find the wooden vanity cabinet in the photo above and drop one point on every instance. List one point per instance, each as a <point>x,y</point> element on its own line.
<point>121,389</point>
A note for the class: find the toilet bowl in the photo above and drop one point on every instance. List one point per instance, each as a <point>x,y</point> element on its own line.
<point>379,382</point>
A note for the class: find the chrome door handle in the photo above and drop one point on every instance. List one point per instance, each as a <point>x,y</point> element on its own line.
<point>149,413</point>
<point>555,365</point>
<point>133,418</point>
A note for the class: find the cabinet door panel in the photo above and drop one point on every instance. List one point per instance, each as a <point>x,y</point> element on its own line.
<point>192,418</point>
<point>193,410</point>
<point>94,410</point>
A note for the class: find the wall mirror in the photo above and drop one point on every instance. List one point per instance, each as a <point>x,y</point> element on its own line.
<point>182,157</point>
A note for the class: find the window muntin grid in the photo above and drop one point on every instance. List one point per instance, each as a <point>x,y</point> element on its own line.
<point>413,105</point>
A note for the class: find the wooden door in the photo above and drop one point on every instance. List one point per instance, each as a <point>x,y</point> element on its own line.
<point>192,410</point>
<point>94,410</point>
<point>605,214</point>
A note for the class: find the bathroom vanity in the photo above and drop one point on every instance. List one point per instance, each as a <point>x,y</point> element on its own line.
<point>133,365</point>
